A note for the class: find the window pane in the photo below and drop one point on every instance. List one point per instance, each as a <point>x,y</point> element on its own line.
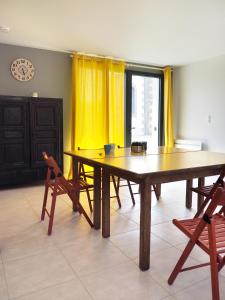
<point>145,108</point>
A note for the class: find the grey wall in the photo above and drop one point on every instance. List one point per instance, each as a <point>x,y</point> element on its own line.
<point>199,102</point>
<point>52,78</point>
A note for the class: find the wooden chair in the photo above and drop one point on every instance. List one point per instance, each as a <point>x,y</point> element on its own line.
<point>59,186</point>
<point>129,185</point>
<point>84,174</point>
<point>132,193</point>
<point>207,232</point>
<point>205,191</point>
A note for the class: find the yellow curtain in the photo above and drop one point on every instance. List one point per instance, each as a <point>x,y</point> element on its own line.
<point>115,84</point>
<point>89,101</point>
<point>97,102</point>
<point>168,108</point>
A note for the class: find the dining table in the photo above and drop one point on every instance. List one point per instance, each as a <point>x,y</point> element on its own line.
<point>155,166</point>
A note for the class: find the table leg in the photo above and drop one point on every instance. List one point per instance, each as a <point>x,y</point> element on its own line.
<point>97,197</point>
<point>145,223</point>
<point>189,184</point>
<point>75,175</point>
<point>105,203</point>
<point>201,183</point>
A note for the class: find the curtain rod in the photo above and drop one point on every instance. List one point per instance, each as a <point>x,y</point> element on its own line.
<point>136,65</point>
<point>128,64</point>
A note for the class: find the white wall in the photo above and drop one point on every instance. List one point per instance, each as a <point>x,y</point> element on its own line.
<point>199,102</point>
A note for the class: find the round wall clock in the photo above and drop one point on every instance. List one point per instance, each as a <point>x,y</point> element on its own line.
<point>22,69</point>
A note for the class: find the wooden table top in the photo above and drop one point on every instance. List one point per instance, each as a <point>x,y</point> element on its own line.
<point>123,152</point>
<point>154,162</point>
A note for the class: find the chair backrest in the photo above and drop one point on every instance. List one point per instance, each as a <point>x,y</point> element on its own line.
<point>218,199</point>
<point>56,171</point>
<point>219,183</point>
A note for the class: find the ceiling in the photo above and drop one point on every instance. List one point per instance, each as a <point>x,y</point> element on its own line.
<point>159,32</point>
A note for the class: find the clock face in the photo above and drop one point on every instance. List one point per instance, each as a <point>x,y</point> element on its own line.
<point>22,69</point>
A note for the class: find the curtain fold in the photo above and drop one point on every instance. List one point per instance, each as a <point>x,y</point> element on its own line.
<point>168,108</point>
<point>115,76</point>
<point>97,102</point>
<point>90,103</point>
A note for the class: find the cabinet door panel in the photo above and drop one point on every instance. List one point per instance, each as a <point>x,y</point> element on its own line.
<point>45,129</point>
<point>13,114</point>
<point>14,154</point>
<point>41,146</point>
<point>45,115</point>
<point>14,134</point>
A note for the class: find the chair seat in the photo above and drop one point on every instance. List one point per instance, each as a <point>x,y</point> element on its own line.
<point>77,185</point>
<point>80,184</point>
<point>204,190</point>
<point>189,226</point>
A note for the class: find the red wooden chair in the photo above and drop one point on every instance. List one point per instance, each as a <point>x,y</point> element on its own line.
<point>207,191</point>
<point>59,186</point>
<point>208,232</point>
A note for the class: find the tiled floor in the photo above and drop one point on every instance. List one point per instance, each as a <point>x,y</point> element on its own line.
<point>76,263</point>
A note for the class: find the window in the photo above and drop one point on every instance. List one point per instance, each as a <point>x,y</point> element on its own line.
<point>144,107</point>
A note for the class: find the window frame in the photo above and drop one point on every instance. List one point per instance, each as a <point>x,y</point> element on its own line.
<point>128,104</point>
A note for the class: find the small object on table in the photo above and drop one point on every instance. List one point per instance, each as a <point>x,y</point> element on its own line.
<point>144,145</point>
<point>136,147</point>
<point>107,149</point>
<point>113,146</point>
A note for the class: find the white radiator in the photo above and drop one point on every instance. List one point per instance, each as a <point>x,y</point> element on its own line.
<point>189,144</point>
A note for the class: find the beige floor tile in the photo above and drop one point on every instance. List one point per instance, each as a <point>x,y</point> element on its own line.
<point>61,208</point>
<point>67,231</point>
<point>169,233</point>
<point>196,253</point>
<point>11,196</point>
<point>33,240</point>
<point>126,203</point>
<point>91,256</point>
<point>120,224</point>
<point>71,290</point>
<point>200,290</point>
<point>3,285</point>
<point>156,217</point>
<point>128,243</point>
<point>36,272</point>
<point>18,226</point>
<point>33,190</point>
<point>123,282</point>
<point>163,263</point>
<point>176,210</point>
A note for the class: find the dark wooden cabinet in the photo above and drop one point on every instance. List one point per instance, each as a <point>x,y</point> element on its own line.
<point>28,126</point>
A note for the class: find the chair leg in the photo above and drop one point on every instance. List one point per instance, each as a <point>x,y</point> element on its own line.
<point>51,215</point>
<point>83,212</point>
<point>157,189</point>
<point>80,208</point>
<point>89,200</point>
<point>131,192</point>
<point>213,262</point>
<point>44,202</point>
<point>116,190</point>
<point>181,262</point>
<point>83,174</point>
